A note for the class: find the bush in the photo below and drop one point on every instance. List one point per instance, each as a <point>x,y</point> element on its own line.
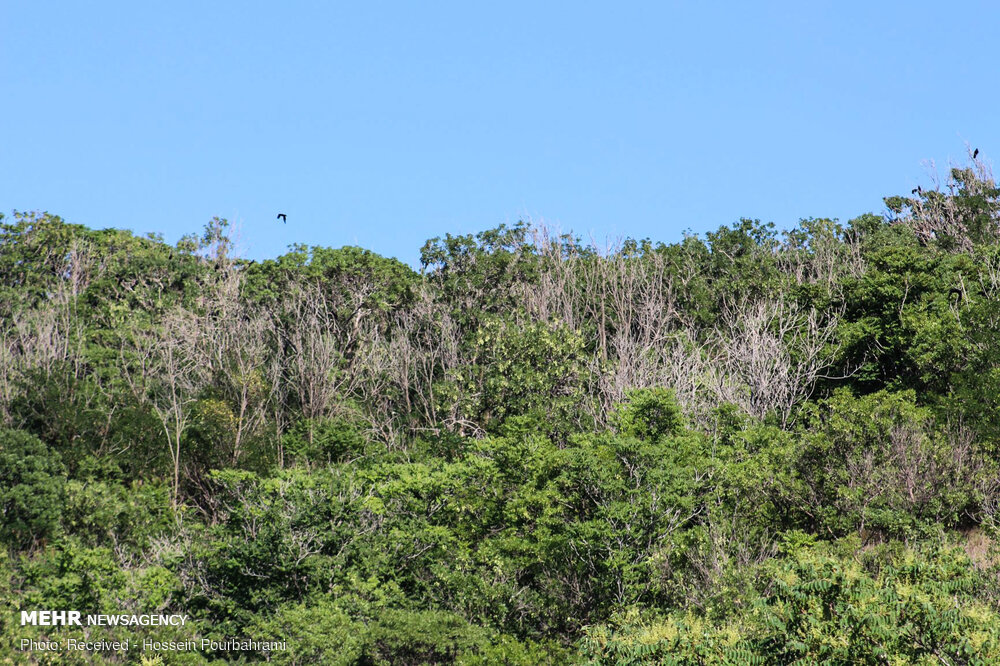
<point>32,487</point>
<point>881,463</point>
<point>649,414</point>
<point>325,442</point>
<point>830,607</point>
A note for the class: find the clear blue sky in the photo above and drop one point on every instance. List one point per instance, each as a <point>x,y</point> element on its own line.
<point>383,124</point>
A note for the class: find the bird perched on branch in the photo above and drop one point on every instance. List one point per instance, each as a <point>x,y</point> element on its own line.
<point>975,153</point>
<point>283,218</point>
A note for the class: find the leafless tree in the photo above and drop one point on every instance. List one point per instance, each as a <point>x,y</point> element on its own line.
<point>556,296</point>
<point>769,353</point>
<point>829,254</point>
<point>631,303</point>
<point>317,366</point>
<point>424,349</point>
<point>164,370</point>
<point>373,385</point>
<point>8,372</point>
<point>235,338</point>
<point>42,337</point>
<point>275,374</point>
<point>764,355</point>
<point>935,213</point>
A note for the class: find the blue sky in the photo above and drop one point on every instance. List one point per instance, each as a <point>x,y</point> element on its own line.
<point>382,124</point>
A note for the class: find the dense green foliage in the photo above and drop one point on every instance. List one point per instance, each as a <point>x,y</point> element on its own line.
<point>757,447</point>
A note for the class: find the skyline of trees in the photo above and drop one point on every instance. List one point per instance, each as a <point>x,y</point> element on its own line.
<point>758,444</point>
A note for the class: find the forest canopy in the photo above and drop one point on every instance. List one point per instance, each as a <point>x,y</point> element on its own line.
<point>756,446</point>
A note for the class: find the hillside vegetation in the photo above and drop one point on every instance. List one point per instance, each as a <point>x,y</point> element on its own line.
<point>753,447</point>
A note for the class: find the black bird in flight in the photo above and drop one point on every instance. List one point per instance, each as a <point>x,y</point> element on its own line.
<point>975,153</point>
<point>916,190</point>
<point>283,218</point>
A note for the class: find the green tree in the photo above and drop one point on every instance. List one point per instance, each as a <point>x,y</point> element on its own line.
<point>32,490</point>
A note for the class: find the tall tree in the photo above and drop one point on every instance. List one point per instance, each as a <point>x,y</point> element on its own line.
<point>162,367</point>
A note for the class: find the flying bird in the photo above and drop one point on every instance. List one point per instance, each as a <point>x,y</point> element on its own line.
<point>916,190</point>
<point>283,218</point>
<point>975,153</point>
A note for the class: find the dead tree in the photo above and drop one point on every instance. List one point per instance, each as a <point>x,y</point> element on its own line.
<point>769,353</point>
<point>163,368</point>
<point>423,350</point>
<point>315,354</point>
<point>235,337</point>
<point>8,373</point>
<point>936,214</point>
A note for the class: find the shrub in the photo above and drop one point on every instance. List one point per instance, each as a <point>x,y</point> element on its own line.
<point>32,485</point>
